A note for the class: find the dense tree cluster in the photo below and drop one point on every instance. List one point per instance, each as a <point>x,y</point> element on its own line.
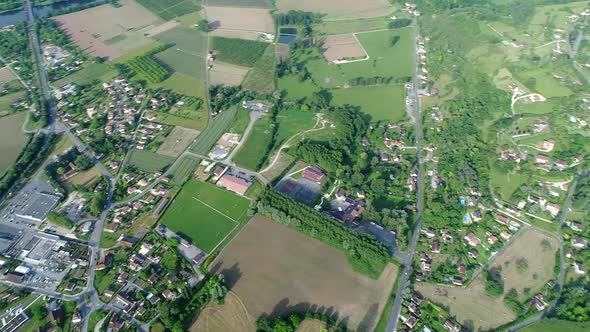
<point>294,17</point>
<point>574,303</point>
<point>365,254</point>
<point>57,219</point>
<point>292,322</point>
<point>399,23</point>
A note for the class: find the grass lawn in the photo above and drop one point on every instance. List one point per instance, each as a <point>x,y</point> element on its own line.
<point>262,76</point>
<point>551,325</point>
<point>384,102</point>
<point>12,139</point>
<point>536,108</point>
<point>385,59</point>
<point>7,100</point>
<point>296,89</point>
<point>204,213</point>
<point>183,62</point>
<point>183,84</point>
<point>506,184</point>
<point>252,154</point>
<point>191,119</point>
<point>293,121</point>
<point>149,161</point>
<point>545,83</point>
<point>187,56</point>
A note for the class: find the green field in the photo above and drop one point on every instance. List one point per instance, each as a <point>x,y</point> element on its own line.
<point>183,170</point>
<point>506,184</point>
<point>218,126</point>
<point>293,121</point>
<point>385,60</point>
<point>544,83</point>
<point>295,89</point>
<point>553,325</point>
<point>204,213</point>
<point>12,139</point>
<point>169,9</point>
<point>183,84</point>
<point>536,108</point>
<point>252,153</point>
<point>242,3</point>
<point>187,55</point>
<point>262,76</point>
<point>238,51</point>
<point>149,161</point>
<point>93,72</point>
<point>382,103</point>
<point>339,26</point>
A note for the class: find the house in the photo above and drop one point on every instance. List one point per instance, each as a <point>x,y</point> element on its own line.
<point>492,239</point>
<point>538,302</point>
<point>476,215</point>
<point>128,242</point>
<point>109,293</point>
<point>123,276</point>
<point>218,171</point>
<point>449,326</point>
<point>145,248</point>
<point>501,219</point>
<point>542,159</point>
<point>76,318</point>
<point>579,242</point>
<point>553,208</point>
<point>168,295</point>
<point>536,200</point>
<point>234,183</point>
<point>471,239</point>
<point>435,247</point>
<point>313,174</point>
<point>576,227</point>
<point>473,253</point>
<point>430,233</point>
<point>411,322</point>
<point>548,145</point>
<point>579,268</point>
<point>569,253</point>
<point>426,267</point>
<point>457,281</point>
<point>462,269</point>
<point>561,165</point>
<point>341,193</point>
<point>505,235</point>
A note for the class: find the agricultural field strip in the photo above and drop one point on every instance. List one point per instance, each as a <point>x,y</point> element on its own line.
<point>214,209</point>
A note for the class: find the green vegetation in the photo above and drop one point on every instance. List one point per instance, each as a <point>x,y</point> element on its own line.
<point>148,69</point>
<point>238,51</point>
<point>552,325</point>
<point>252,154</point>
<point>149,161</point>
<point>573,304</point>
<point>381,103</point>
<point>242,3</point>
<point>59,220</point>
<point>12,138</point>
<point>204,214</point>
<point>169,9</point>
<point>183,170</point>
<point>261,78</point>
<point>218,126</point>
<point>366,255</point>
<point>493,286</point>
<point>294,320</point>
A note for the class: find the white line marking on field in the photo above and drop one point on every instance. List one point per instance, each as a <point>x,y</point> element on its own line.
<point>214,209</point>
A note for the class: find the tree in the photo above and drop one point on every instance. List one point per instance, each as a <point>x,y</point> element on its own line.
<point>216,289</point>
<point>203,25</point>
<point>169,261</point>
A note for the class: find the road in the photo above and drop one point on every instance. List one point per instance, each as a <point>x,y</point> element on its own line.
<point>407,260</point>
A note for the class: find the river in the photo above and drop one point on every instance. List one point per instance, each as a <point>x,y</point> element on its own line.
<point>42,11</point>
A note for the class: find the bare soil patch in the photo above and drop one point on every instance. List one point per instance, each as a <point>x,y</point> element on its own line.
<point>6,75</point>
<point>236,18</point>
<point>232,316</point>
<point>86,178</point>
<point>92,28</point>
<point>340,47</point>
<point>276,270</point>
<point>227,74</point>
<point>177,141</point>
<point>471,306</point>
<point>338,8</point>
<point>537,250</point>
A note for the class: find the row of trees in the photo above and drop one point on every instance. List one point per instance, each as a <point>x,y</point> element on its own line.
<point>57,219</point>
<point>365,254</point>
<point>294,17</point>
<point>293,321</point>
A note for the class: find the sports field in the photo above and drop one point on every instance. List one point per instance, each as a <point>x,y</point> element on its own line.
<point>149,161</point>
<point>12,139</point>
<point>177,141</point>
<point>338,8</point>
<point>204,213</point>
<point>276,270</point>
<point>382,103</point>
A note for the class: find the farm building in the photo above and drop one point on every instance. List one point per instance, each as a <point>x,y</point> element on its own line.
<point>234,183</point>
<point>313,174</point>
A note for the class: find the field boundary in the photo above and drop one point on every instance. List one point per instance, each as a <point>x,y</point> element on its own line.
<point>214,209</point>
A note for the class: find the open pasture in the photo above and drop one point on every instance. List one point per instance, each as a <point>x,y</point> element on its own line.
<point>276,270</point>
<point>470,305</point>
<point>109,31</point>
<point>204,213</point>
<point>227,74</point>
<point>185,85</point>
<point>340,47</point>
<point>12,139</point>
<point>535,248</point>
<point>169,9</point>
<point>252,153</point>
<point>177,141</point>
<point>236,18</point>
<point>381,103</point>
<point>338,8</point>
<point>229,317</point>
<point>149,161</point>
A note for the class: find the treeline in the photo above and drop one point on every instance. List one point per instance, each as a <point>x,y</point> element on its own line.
<point>573,304</point>
<point>297,17</point>
<point>10,5</point>
<point>399,23</point>
<point>57,219</point>
<point>29,160</point>
<point>148,68</point>
<point>99,200</point>
<point>293,321</point>
<point>377,80</point>
<point>365,254</point>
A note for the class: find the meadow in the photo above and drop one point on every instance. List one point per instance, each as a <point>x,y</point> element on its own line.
<point>238,51</point>
<point>276,270</point>
<point>220,124</point>
<point>386,59</point>
<point>381,103</point>
<point>261,78</point>
<point>183,170</point>
<point>552,325</point>
<point>253,152</point>
<point>185,85</point>
<point>12,138</point>
<point>149,161</point>
<point>204,213</point>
